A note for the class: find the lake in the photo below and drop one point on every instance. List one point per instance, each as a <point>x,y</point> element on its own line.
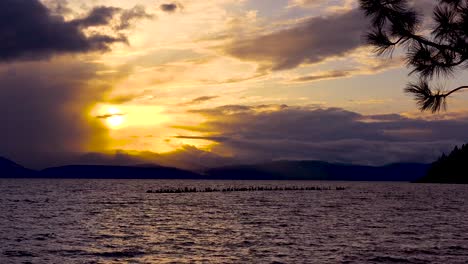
<point>116,221</point>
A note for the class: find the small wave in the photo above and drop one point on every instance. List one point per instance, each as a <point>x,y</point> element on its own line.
<point>18,253</point>
<point>42,237</point>
<point>457,248</point>
<point>30,201</point>
<point>416,251</point>
<point>119,254</point>
<point>187,244</point>
<point>405,233</point>
<point>67,252</point>
<point>388,259</point>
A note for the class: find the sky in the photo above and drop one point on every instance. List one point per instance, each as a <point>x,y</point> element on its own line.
<point>198,84</point>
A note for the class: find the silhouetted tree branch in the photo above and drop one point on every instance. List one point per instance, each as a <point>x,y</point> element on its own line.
<point>442,51</point>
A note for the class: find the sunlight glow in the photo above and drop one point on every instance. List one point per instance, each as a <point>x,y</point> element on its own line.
<point>116,119</point>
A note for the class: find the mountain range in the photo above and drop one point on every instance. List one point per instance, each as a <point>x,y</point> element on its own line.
<point>10,169</point>
<point>277,170</point>
<point>319,170</point>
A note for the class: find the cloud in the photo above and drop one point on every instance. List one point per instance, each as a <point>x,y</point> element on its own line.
<point>127,17</point>
<point>309,42</point>
<point>108,116</point>
<point>58,7</point>
<point>212,138</point>
<point>98,16</point>
<point>30,30</point>
<point>330,6</point>
<point>186,157</point>
<point>323,76</point>
<point>44,108</point>
<point>306,3</point>
<point>367,67</point>
<point>271,132</point>
<point>250,134</point>
<point>200,100</point>
<point>171,7</point>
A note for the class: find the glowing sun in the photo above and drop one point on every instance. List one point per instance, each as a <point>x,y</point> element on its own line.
<point>115,119</point>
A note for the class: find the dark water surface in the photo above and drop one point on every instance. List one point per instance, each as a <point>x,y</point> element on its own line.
<point>116,221</point>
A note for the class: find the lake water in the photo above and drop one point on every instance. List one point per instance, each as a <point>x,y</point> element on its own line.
<point>116,221</point>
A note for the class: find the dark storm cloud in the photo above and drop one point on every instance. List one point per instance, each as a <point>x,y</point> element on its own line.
<point>29,30</point>
<point>98,16</point>
<point>58,7</point>
<point>44,108</point>
<point>333,134</point>
<point>171,7</point>
<point>312,41</point>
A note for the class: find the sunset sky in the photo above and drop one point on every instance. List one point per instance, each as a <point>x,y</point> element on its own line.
<point>206,83</point>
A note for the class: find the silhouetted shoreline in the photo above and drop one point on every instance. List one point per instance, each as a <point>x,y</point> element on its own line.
<point>277,170</point>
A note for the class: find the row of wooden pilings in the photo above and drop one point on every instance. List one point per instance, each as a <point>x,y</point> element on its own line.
<point>244,189</point>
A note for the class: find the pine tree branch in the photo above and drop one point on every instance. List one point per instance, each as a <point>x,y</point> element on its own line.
<point>456,90</point>
<point>429,100</point>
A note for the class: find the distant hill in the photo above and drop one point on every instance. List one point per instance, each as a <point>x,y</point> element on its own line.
<point>449,169</point>
<point>117,172</point>
<point>10,169</point>
<point>278,170</point>
<point>318,170</point>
